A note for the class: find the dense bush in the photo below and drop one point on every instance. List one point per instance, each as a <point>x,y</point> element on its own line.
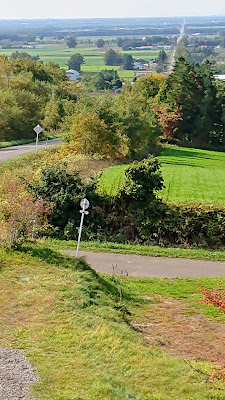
<point>134,215</point>
<point>21,216</point>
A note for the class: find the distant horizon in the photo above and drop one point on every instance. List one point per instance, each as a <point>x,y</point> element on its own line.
<point>55,9</point>
<point>112,17</point>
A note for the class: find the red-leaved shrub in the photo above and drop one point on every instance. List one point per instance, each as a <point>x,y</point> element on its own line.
<point>215,297</point>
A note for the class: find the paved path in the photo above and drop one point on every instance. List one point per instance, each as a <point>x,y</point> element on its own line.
<point>154,267</point>
<point>15,151</point>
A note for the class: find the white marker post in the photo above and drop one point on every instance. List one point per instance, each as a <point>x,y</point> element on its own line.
<point>37,129</point>
<point>84,205</point>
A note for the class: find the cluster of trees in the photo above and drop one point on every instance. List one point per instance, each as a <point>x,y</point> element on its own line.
<point>75,61</point>
<point>100,43</point>
<point>127,43</point>
<point>126,61</point>
<point>113,126</point>
<point>11,40</point>
<point>190,104</point>
<point>107,79</point>
<point>71,42</point>
<point>208,41</point>
<point>23,54</point>
<point>198,50</point>
<point>193,52</point>
<point>31,92</point>
<point>111,57</point>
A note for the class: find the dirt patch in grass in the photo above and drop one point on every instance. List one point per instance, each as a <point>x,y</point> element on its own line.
<point>182,331</point>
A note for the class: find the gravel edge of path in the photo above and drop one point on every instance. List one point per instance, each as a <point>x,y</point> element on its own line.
<point>16,375</point>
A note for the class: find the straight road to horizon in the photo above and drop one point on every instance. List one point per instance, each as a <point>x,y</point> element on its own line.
<point>152,267</point>
<point>16,151</point>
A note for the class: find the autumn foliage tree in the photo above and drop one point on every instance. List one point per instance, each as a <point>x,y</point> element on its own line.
<point>21,215</point>
<point>90,135</point>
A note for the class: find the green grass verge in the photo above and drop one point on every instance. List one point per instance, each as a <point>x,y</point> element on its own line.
<point>68,321</point>
<point>190,176</point>
<point>3,145</point>
<point>23,141</point>
<point>154,251</point>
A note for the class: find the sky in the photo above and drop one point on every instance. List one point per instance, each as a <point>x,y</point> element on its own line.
<point>19,9</point>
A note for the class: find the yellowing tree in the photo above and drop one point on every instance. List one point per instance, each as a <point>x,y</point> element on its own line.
<point>90,135</point>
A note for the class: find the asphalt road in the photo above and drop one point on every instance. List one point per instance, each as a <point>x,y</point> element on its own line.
<point>152,267</point>
<point>16,151</point>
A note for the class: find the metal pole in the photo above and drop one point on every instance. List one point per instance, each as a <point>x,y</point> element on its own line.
<point>36,144</point>
<point>80,230</point>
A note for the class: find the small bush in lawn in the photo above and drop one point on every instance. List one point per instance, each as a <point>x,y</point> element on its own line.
<point>219,374</point>
<point>215,297</point>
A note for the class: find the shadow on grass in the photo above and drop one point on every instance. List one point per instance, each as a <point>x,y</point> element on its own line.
<point>55,258</point>
<point>188,154</point>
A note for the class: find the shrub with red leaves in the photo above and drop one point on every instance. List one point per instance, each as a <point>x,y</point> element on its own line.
<point>219,374</point>
<point>215,297</point>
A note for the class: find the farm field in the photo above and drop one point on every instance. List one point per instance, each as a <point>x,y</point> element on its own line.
<point>69,322</point>
<point>190,175</point>
<point>93,57</point>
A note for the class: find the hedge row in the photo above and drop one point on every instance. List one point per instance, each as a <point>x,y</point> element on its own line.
<point>160,223</point>
<point>134,216</point>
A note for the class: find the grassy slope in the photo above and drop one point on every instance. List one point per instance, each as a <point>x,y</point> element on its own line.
<point>63,315</point>
<point>28,162</point>
<point>190,175</point>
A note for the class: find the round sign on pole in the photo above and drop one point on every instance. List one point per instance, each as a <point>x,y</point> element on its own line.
<point>84,204</point>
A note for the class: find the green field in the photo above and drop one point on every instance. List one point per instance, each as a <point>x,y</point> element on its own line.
<point>60,54</point>
<point>83,342</point>
<point>190,175</point>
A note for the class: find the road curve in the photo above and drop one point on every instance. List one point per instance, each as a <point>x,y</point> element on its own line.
<point>151,267</point>
<point>16,151</point>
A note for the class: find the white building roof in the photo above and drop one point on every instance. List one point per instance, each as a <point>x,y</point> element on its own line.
<point>221,77</point>
<point>72,71</point>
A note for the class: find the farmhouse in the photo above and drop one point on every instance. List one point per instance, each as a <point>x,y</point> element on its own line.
<point>73,75</point>
<point>138,65</point>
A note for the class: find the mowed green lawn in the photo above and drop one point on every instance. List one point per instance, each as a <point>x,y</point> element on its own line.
<point>190,175</point>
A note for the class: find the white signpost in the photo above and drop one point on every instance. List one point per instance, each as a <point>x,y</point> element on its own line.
<point>84,205</point>
<point>37,129</point>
